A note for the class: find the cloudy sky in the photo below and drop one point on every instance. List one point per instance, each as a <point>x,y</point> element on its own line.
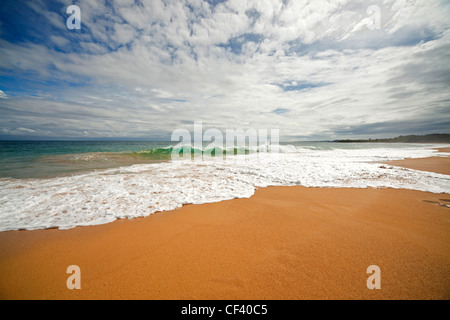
<point>140,69</point>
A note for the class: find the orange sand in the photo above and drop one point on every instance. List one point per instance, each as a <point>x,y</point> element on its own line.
<point>282,243</point>
<point>443,149</point>
<point>432,164</point>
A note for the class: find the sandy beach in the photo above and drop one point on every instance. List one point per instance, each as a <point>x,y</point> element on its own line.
<point>282,243</point>
<point>224,150</point>
<point>432,164</point>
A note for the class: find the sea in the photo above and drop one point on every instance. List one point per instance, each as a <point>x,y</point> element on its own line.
<point>65,184</point>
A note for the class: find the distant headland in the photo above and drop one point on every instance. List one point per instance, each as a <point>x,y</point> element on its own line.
<point>429,138</point>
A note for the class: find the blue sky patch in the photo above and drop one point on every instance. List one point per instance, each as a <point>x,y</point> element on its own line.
<point>235,44</point>
<point>280,111</point>
<point>299,85</point>
<point>138,67</point>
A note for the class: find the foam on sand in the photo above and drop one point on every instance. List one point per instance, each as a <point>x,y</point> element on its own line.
<point>103,196</point>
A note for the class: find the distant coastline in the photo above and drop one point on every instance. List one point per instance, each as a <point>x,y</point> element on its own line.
<point>429,138</point>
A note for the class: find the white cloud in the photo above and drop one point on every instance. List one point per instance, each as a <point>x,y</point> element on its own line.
<point>123,33</point>
<point>60,41</point>
<point>187,60</point>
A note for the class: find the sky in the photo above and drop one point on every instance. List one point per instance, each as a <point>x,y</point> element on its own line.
<point>138,70</point>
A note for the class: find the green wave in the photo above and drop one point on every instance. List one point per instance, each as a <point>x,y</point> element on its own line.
<point>167,152</point>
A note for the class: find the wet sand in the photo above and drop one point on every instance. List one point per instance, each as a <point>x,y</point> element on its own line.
<point>282,243</point>
<point>443,150</point>
<point>431,164</point>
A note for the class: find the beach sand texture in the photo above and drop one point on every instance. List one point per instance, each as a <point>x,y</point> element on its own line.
<point>282,243</point>
<point>432,164</point>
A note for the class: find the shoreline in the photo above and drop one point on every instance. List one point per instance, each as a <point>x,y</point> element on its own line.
<point>282,243</point>
<point>437,164</point>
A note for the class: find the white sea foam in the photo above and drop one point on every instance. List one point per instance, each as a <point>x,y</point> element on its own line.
<point>140,190</point>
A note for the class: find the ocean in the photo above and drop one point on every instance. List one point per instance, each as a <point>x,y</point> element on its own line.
<point>64,184</point>
<point>43,159</point>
